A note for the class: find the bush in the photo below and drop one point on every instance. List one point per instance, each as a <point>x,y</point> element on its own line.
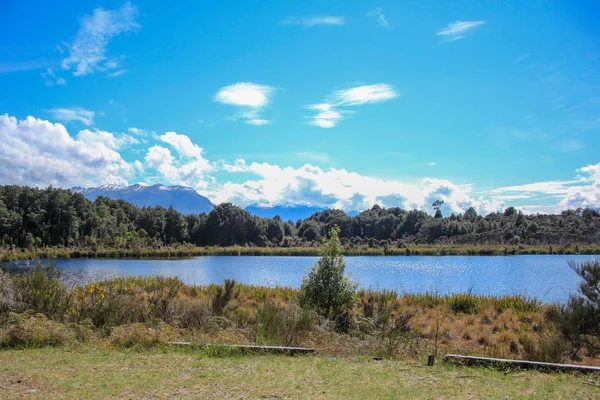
<point>35,330</point>
<point>42,291</point>
<point>326,289</point>
<point>579,319</point>
<point>139,336</point>
<point>8,294</point>
<point>222,296</point>
<point>283,326</point>
<point>464,303</point>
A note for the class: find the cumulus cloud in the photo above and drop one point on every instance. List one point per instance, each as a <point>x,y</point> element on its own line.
<point>188,167</point>
<point>36,152</point>
<point>584,191</point>
<point>332,111</point>
<point>250,97</point>
<point>315,20</point>
<point>588,193</point>
<point>378,14</point>
<point>458,29</point>
<point>69,114</point>
<point>339,188</point>
<point>87,53</point>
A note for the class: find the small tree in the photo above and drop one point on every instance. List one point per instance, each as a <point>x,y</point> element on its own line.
<point>326,289</point>
<point>579,320</point>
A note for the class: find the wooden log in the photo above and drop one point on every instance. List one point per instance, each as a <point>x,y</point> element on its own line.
<point>524,364</point>
<point>252,347</point>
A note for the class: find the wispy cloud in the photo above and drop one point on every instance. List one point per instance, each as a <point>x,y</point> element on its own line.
<point>82,115</point>
<point>250,97</point>
<point>117,73</point>
<point>458,29</point>
<point>333,110</point>
<point>314,20</point>
<point>7,67</point>
<point>313,156</point>
<point>87,54</point>
<point>377,13</point>
<point>51,79</point>
<point>364,94</point>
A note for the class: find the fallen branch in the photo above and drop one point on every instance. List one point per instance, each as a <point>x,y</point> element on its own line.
<point>252,347</point>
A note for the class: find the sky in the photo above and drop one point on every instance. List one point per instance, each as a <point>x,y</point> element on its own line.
<point>338,104</point>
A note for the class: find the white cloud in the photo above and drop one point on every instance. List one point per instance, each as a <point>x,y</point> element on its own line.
<point>188,167</point>
<point>250,97</point>
<point>69,114</point>
<point>587,194</point>
<point>316,20</point>
<point>343,189</point>
<point>328,116</point>
<point>581,192</point>
<point>458,29</point>
<point>87,54</point>
<point>364,94</point>
<point>182,144</point>
<point>51,79</point>
<point>110,140</point>
<point>377,13</point>
<point>35,152</point>
<point>118,73</point>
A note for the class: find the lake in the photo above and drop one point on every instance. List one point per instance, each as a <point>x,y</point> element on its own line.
<point>546,276</point>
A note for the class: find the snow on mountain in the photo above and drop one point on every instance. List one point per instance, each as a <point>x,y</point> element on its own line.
<point>184,199</point>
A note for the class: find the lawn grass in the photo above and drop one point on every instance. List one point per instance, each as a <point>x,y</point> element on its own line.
<point>99,372</point>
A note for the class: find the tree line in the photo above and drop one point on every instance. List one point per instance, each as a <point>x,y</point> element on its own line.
<point>31,217</point>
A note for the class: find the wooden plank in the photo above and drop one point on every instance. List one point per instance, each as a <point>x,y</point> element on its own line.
<point>280,349</point>
<point>468,360</point>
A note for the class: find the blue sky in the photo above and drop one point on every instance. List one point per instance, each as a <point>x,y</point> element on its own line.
<point>330,103</point>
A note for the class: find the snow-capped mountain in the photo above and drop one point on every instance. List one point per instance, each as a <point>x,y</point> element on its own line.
<point>184,199</point>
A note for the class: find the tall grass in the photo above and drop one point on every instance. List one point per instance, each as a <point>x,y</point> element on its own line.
<point>182,251</point>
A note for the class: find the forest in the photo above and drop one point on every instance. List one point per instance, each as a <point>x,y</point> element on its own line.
<point>50,217</point>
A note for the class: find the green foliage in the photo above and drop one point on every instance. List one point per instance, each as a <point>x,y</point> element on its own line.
<point>326,289</point>
<point>34,219</point>
<point>222,296</point>
<point>282,326</point>
<point>35,330</point>
<point>579,319</point>
<point>43,291</point>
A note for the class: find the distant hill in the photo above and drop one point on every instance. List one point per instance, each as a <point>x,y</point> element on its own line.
<point>286,211</point>
<point>184,199</point>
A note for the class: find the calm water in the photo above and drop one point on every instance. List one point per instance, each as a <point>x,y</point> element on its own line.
<point>545,276</point>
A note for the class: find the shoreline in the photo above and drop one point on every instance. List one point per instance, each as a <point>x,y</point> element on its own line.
<point>178,252</point>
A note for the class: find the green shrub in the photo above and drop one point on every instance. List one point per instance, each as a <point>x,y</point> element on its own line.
<point>8,295</point>
<point>283,326</point>
<point>222,296</point>
<point>579,320</point>
<point>139,335</point>
<point>326,289</point>
<point>464,303</point>
<point>42,291</point>
<point>35,330</point>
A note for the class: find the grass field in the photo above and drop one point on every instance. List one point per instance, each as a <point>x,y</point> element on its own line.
<point>98,372</point>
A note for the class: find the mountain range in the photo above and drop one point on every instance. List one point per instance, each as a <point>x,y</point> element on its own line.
<point>184,199</point>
